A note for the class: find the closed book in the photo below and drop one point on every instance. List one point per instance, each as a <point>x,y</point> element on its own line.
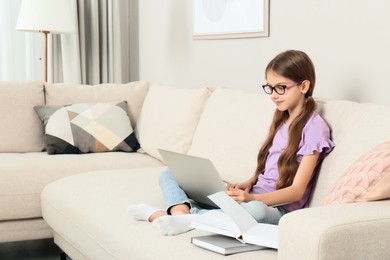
<point>223,245</point>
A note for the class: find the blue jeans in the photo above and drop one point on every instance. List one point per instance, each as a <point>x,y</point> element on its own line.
<point>174,195</point>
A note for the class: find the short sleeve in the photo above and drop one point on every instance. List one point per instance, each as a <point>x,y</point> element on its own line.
<point>315,137</point>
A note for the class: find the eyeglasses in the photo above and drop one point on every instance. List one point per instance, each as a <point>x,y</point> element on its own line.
<point>279,88</point>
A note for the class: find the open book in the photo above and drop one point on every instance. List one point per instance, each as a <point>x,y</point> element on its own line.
<point>235,221</point>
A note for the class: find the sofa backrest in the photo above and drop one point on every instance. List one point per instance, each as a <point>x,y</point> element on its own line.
<point>230,131</point>
<point>169,118</point>
<point>134,93</point>
<point>356,129</point>
<point>21,130</point>
<point>20,127</point>
<point>234,123</point>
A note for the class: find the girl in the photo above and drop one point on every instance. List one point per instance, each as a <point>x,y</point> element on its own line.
<point>288,160</point>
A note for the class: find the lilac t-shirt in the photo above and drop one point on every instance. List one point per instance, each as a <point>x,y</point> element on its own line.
<point>315,137</point>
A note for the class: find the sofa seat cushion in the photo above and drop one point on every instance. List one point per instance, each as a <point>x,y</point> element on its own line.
<point>20,127</point>
<point>88,213</point>
<point>24,229</point>
<point>23,176</point>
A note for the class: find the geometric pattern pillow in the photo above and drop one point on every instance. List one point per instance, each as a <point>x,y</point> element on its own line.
<point>367,179</point>
<point>87,127</point>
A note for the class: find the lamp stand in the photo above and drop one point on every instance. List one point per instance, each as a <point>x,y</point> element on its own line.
<point>45,57</point>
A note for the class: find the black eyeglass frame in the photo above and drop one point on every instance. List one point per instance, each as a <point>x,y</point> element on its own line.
<point>280,89</point>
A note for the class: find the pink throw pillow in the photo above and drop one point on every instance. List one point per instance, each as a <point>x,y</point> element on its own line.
<point>366,180</point>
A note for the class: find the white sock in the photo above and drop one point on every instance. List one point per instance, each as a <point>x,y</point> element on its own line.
<point>141,211</point>
<point>173,225</point>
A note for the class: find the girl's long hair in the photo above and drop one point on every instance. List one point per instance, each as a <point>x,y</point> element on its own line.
<point>297,66</point>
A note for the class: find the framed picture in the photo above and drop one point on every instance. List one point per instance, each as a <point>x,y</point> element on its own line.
<point>224,19</point>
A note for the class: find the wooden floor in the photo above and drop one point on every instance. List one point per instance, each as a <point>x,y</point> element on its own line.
<point>44,249</point>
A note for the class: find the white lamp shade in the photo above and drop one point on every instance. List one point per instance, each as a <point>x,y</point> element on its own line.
<point>54,16</point>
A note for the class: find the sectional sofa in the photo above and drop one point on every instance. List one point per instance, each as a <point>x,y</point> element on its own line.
<point>81,199</point>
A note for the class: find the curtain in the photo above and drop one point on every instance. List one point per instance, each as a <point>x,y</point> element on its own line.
<point>20,52</point>
<point>100,50</point>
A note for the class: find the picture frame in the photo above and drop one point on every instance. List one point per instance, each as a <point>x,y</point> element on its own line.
<point>228,19</point>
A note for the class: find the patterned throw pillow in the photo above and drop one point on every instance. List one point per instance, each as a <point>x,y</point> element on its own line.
<point>88,127</point>
<point>367,179</point>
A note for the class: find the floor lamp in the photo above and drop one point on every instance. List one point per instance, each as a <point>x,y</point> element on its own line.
<point>46,16</point>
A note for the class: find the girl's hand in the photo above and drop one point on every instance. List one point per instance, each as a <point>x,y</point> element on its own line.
<point>239,195</point>
<point>245,186</point>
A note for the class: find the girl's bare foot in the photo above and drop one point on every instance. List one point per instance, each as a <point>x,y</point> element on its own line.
<point>157,214</point>
<point>146,212</point>
<point>180,209</point>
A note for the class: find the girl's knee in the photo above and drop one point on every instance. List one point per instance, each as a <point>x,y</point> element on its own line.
<point>256,208</point>
<point>261,212</point>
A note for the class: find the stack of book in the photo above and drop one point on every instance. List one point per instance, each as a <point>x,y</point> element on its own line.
<point>223,245</point>
<point>237,230</point>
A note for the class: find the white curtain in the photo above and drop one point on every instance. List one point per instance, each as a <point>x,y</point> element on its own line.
<point>100,50</point>
<point>21,53</point>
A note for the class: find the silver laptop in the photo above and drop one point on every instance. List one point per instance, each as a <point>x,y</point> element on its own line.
<point>197,176</point>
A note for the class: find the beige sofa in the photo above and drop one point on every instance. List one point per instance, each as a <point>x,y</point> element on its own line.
<point>25,169</point>
<point>86,212</point>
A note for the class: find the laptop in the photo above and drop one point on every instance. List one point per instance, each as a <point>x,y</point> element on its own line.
<point>197,176</point>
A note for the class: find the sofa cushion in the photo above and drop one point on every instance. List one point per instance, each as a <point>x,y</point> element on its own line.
<point>230,131</point>
<point>88,127</point>
<point>169,118</point>
<point>134,93</point>
<point>367,179</point>
<point>24,175</point>
<point>20,127</point>
<point>355,129</point>
<point>89,215</point>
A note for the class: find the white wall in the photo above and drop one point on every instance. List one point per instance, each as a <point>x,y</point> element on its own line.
<point>349,42</point>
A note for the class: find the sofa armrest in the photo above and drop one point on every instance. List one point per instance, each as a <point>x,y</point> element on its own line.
<point>347,231</point>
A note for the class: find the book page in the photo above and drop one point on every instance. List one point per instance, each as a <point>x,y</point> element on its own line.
<point>218,222</point>
<point>262,234</point>
<point>240,216</point>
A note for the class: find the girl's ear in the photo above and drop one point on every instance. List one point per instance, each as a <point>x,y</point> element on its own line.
<point>305,86</point>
